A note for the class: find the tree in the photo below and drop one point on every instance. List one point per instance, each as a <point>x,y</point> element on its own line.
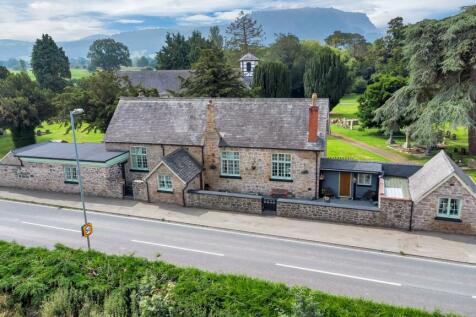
<point>245,33</point>
<point>108,55</point>
<point>442,59</point>
<point>353,42</point>
<point>142,62</point>
<point>389,49</point>
<point>196,44</point>
<point>272,80</point>
<point>215,37</point>
<point>4,72</point>
<point>375,96</point>
<point>327,75</point>
<point>98,95</point>
<point>213,77</point>
<point>175,53</point>
<point>23,106</point>
<point>50,64</point>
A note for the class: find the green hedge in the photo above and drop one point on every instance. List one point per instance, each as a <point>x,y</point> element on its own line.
<point>67,282</point>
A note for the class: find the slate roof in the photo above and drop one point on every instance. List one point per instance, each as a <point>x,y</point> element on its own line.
<point>162,80</point>
<point>88,152</point>
<point>183,165</point>
<point>351,166</point>
<point>249,57</point>
<point>433,173</point>
<point>400,170</point>
<point>254,123</point>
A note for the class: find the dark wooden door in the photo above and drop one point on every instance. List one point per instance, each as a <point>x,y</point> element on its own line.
<point>344,184</point>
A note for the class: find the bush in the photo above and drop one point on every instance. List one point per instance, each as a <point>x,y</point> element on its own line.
<point>67,282</point>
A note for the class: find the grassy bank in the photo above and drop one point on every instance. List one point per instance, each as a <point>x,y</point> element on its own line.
<point>67,282</point>
<point>76,73</point>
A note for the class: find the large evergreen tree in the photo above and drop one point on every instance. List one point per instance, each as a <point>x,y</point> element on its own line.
<point>215,37</point>
<point>272,80</point>
<point>213,77</point>
<point>23,106</point>
<point>108,54</point>
<point>196,43</point>
<point>245,33</point>
<point>50,64</point>
<point>441,91</point>
<point>327,75</point>
<point>175,54</point>
<point>389,50</point>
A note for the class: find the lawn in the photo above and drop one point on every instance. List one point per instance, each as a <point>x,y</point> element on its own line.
<point>341,149</point>
<point>347,107</point>
<point>76,73</point>
<point>58,132</point>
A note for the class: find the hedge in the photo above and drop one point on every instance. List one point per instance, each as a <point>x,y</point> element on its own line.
<point>69,282</point>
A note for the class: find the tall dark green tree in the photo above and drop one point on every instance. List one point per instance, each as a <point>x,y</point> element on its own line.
<point>196,43</point>
<point>244,33</point>
<point>441,58</point>
<point>389,50</point>
<point>4,72</point>
<point>215,37</point>
<point>175,54</point>
<point>108,54</point>
<point>375,96</point>
<point>327,75</point>
<point>50,64</point>
<point>213,77</point>
<point>23,106</point>
<point>272,80</point>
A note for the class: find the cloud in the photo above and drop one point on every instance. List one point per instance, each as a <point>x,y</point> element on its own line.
<point>73,19</point>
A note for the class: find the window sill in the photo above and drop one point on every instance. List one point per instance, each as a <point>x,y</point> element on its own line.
<point>232,177</point>
<point>138,171</point>
<point>165,191</point>
<point>281,180</point>
<point>364,185</point>
<point>71,182</point>
<point>448,219</point>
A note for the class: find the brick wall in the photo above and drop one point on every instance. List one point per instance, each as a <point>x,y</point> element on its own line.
<point>106,182</point>
<point>425,211</point>
<point>224,201</point>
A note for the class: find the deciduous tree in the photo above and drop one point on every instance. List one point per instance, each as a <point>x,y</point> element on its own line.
<point>108,54</point>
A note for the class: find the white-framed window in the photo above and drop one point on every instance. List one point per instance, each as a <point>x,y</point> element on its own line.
<point>449,208</point>
<point>364,179</point>
<point>281,166</point>
<point>230,164</point>
<point>164,183</point>
<point>139,158</point>
<point>70,174</point>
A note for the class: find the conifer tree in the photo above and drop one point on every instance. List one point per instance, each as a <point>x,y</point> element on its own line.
<point>245,33</point>
<point>272,80</point>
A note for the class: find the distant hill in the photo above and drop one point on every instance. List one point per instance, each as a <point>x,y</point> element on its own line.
<point>307,23</point>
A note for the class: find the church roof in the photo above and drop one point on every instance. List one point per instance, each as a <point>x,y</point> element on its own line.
<point>249,57</point>
<point>162,80</point>
<point>256,123</point>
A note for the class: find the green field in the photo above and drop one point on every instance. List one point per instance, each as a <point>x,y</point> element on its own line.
<point>58,132</point>
<point>76,73</point>
<point>347,107</point>
<point>341,149</point>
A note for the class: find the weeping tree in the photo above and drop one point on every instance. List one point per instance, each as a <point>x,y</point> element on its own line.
<point>327,75</point>
<point>272,80</point>
<point>441,91</point>
<point>23,106</point>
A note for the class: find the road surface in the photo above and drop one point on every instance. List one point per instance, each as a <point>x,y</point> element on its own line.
<point>383,277</point>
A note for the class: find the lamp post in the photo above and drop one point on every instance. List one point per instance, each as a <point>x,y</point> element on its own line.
<point>79,111</point>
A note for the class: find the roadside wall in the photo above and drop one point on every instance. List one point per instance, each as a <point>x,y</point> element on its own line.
<point>106,182</point>
<point>224,201</point>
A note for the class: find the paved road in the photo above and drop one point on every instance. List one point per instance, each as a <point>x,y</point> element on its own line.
<point>382,277</point>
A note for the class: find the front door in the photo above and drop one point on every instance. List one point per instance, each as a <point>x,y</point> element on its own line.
<point>344,184</point>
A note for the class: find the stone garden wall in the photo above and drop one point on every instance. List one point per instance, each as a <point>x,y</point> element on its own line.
<point>224,201</point>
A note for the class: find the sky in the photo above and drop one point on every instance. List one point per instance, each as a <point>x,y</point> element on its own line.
<point>69,20</point>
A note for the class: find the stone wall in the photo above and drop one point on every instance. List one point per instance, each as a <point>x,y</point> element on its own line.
<point>224,201</point>
<point>395,213</point>
<point>139,190</point>
<point>425,211</point>
<point>106,182</point>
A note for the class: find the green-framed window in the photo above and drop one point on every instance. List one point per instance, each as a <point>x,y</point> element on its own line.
<point>449,208</point>
<point>281,166</point>
<point>364,179</point>
<point>139,158</point>
<point>70,174</point>
<point>230,164</point>
<point>164,183</point>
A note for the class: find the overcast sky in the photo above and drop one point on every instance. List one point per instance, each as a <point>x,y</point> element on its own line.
<point>74,19</point>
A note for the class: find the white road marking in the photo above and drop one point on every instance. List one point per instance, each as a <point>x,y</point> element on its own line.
<point>51,227</point>
<point>178,248</point>
<point>339,274</point>
<point>257,235</point>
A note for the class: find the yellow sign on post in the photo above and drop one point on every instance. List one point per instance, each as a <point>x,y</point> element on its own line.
<point>87,229</point>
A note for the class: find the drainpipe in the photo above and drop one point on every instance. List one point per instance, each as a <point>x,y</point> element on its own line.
<point>411,217</point>
<point>203,165</point>
<point>147,188</point>
<point>183,192</point>
<point>316,190</point>
<point>163,150</point>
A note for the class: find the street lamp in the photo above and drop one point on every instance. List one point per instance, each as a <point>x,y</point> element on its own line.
<point>73,113</point>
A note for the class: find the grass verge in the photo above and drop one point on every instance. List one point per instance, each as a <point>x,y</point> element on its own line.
<point>67,282</point>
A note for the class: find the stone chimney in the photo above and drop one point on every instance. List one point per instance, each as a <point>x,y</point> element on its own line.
<point>313,119</point>
<point>211,117</point>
